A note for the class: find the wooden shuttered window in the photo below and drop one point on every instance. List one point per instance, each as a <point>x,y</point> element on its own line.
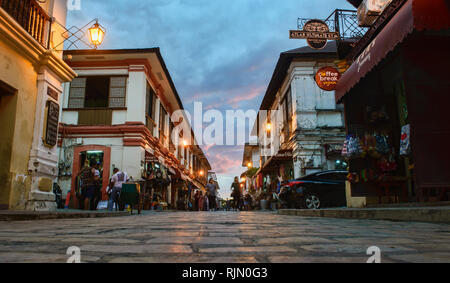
<point>115,94</point>
<point>77,93</point>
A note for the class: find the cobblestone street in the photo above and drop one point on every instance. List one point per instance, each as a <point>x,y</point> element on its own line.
<point>229,237</point>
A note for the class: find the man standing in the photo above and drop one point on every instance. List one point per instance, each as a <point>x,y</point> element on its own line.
<point>211,187</point>
<point>98,186</point>
<point>109,192</point>
<point>236,193</point>
<point>88,180</point>
<point>116,183</point>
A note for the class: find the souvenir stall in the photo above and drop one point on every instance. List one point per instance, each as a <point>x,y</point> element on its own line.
<point>378,159</point>
<point>157,179</point>
<point>396,102</point>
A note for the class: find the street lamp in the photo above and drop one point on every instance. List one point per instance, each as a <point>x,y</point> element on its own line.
<point>249,165</point>
<point>74,35</point>
<point>96,34</point>
<point>202,173</point>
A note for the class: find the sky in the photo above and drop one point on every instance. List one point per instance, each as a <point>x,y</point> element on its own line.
<point>219,52</point>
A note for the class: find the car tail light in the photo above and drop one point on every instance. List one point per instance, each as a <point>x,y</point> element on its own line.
<point>292,184</point>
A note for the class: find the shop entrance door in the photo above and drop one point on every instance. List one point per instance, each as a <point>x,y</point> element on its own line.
<point>102,156</point>
<point>8,104</point>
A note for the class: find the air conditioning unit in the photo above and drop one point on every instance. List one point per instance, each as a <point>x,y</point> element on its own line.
<point>370,10</point>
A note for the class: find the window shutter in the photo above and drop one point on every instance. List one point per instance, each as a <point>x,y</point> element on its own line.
<point>117,92</point>
<point>77,93</point>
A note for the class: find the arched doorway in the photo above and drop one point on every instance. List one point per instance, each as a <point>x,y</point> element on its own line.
<point>82,153</point>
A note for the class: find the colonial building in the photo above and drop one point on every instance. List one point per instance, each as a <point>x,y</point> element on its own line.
<point>31,74</point>
<point>118,112</point>
<point>300,127</point>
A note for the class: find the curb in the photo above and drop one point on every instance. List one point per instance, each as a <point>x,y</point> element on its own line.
<point>432,215</point>
<point>26,216</point>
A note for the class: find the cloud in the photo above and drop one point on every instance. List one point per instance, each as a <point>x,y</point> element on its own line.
<point>220,52</point>
<point>248,96</point>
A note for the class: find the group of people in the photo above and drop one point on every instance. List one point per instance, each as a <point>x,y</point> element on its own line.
<point>90,182</point>
<point>206,201</point>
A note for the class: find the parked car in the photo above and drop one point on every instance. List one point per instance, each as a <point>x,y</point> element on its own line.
<point>315,191</point>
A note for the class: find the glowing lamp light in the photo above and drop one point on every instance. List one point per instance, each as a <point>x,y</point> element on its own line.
<point>96,34</point>
<point>202,173</point>
<point>185,143</point>
<point>249,165</point>
<point>269,127</point>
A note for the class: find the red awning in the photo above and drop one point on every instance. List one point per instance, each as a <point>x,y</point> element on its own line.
<point>414,15</point>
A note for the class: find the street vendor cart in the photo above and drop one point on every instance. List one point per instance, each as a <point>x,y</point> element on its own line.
<point>131,195</point>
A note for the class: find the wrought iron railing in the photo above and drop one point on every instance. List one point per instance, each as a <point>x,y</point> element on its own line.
<point>345,22</point>
<point>30,15</point>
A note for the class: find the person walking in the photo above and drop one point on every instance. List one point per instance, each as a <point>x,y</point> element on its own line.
<point>206,200</point>
<point>236,193</point>
<point>88,181</point>
<point>109,192</point>
<point>117,181</point>
<point>247,202</point>
<point>196,198</point>
<point>200,201</point>
<point>211,187</point>
<point>98,186</point>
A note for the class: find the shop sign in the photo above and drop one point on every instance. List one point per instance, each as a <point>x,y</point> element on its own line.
<point>327,78</point>
<point>51,125</point>
<point>316,32</point>
<point>149,159</point>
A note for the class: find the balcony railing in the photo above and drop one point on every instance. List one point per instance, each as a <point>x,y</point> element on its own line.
<point>95,117</point>
<point>30,15</point>
<point>344,22</point>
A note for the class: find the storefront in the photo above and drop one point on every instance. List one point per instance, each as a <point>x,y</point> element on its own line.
<point>102,157</point>
<point>157,185</point>
<point>396,98</point>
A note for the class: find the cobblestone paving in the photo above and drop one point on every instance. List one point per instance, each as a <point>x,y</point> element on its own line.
<point>222,237</point>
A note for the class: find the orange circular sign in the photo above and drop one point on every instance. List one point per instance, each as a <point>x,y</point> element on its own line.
<point>327,78</point>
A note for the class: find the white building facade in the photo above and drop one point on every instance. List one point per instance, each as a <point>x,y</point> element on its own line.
<point>300,127</point>
<point>118,112</point>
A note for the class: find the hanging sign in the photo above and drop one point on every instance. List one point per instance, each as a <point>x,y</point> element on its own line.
<point>327,78</point>
<point>316,32</point>
<point>51,125</point>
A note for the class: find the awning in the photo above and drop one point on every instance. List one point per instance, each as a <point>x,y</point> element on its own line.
<point>413,15</point>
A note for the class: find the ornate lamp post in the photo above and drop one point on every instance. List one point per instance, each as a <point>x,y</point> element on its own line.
<point>96,34</point>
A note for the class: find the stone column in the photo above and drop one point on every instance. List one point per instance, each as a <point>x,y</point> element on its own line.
<point>43,163</point>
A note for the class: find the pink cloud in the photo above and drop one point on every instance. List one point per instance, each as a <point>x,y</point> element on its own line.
<point>250,95</point>
<point>225,164</point>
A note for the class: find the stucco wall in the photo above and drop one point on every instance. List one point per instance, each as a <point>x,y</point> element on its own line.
<point>19,73</point>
